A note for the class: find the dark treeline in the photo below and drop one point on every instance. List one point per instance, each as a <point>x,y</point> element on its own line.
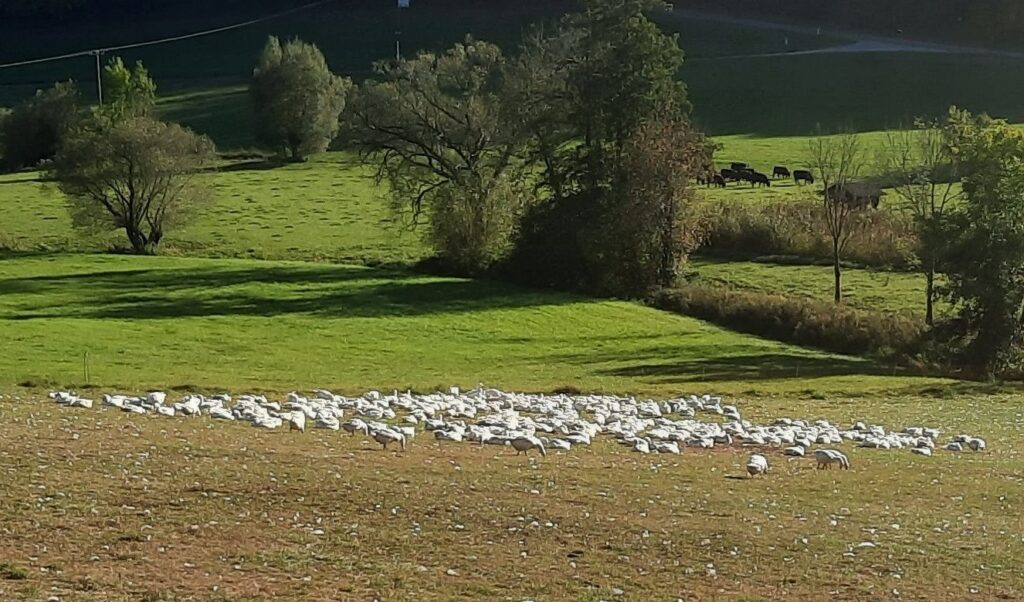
<point>48,10</point>
<point>982,22</point>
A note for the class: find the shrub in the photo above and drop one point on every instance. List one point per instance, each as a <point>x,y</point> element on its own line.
<point>796,229</point>
<point>296,99</point>
<point>798,320</point>
<point>32,132</point>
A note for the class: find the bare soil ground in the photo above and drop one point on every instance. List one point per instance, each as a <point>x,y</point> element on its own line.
<point>97,505</point>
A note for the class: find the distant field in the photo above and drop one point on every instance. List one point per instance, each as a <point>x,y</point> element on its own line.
<point>325,209</point>
<point>732,92</point>
<point>866,289</point>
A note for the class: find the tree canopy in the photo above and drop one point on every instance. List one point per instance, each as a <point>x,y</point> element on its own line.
<point>984,256</point>
<point>33,130</point>
<point>436,130</point>
<point>127,92</point>
<point>297,100</point>
<point>139,174</point>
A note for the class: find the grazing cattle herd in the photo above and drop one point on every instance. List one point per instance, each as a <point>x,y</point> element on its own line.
<point>857,195</point>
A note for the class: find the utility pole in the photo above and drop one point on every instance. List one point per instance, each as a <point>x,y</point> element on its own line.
<point>99,76</point>
<point>398,33</point>
<point>398,29</point>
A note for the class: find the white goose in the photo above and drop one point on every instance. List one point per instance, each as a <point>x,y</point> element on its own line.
<point>526,443</point>
<point>385,436</point>
<point>354,426</point>
<point>827,457</point>
<point>757,464</point>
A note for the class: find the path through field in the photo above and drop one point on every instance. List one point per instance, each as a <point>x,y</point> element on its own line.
<point>857,42</point>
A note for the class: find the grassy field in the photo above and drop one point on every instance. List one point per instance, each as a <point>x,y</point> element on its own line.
<point>866,289</point>
<point>233,324</point>
<point>101,506</point>
<point>327,209</point>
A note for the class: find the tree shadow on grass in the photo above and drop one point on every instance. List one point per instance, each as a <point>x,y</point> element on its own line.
<point>327,291</point>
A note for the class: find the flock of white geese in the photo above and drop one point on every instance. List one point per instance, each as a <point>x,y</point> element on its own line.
<point>525,422</point>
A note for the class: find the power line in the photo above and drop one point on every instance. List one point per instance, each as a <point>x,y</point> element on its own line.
<point>98,51</point>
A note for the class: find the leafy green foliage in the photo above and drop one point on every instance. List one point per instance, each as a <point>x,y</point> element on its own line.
<point>984,259</point>
<point>139,174</point>
<point>33,131</point>
<point>435,129</point>
<point>605,112</point>
<point>648,223</point>
<point>127,92</point>
<point>296,98</point>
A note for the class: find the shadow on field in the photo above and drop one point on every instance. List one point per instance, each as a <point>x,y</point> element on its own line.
<point>760,366</point>
<point>329,291</point>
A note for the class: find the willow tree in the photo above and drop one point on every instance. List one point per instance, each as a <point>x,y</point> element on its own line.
<point>434,128</point>
<point>296,98</point>
<point>139,175</point>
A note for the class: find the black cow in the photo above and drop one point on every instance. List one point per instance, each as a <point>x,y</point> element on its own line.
<point>780,171</point>
<point>730,175</point>
<point>802,175</point>
<point>718,181</point>
<point>737,166</point>
<point>759,179</point>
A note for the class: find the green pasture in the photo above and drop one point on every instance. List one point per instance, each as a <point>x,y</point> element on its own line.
<point>235,324</point>
<point>866,289</point>
<point>326,209</point>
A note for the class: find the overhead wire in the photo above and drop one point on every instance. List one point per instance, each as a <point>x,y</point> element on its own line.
<point>188,36</point>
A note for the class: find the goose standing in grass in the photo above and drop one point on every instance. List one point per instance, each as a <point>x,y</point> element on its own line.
<point>385,436</point>
<point>354,426</point>
<point>526,443</point>
<point>796,451</point>
<point>827,457</point>
<point>757,464</point>
<point>296,421</point>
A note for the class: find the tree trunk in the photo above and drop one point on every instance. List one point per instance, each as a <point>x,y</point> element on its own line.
<point>137,238</point>
<point>837,270</point>
<point>930,295</point>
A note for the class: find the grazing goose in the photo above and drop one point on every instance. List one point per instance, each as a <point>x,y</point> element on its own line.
<point>526,443</point>
<point>757,464</point>
<point>356,425</point>
<point>386,436</point>
<point>827,457</point>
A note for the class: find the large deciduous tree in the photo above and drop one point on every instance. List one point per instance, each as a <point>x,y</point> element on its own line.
<point>296,98</point>
<point>984,255</point>
<point>435,129</point>
<point>648,231</point>
<point>139,174</point>
<point>585,95</point>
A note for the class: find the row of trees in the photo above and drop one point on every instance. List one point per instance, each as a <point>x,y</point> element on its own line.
<point>961,180</point>
<point>568,165</point>
<point>580,145</point>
